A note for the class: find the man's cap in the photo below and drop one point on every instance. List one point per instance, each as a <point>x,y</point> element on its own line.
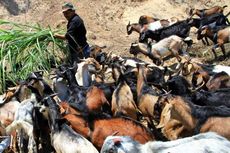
<point>67,6</point>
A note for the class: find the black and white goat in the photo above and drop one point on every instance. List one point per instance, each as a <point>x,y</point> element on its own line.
<point>63,138</point>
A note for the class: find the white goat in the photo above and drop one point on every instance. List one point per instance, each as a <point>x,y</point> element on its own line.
<point>168,46</point>
<point>68,141</point>
<point>83,76</point>
<point>201,143</point>
<point>23,121</point>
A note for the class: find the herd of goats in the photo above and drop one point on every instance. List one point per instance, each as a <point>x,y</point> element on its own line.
<point>113,104</point>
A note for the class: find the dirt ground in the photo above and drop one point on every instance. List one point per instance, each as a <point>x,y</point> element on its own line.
<point>106,20</point>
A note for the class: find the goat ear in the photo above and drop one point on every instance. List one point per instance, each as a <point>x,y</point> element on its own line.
<point>190,66</point>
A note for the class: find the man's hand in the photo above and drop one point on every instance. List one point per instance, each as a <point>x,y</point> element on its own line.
<point>59,36</point>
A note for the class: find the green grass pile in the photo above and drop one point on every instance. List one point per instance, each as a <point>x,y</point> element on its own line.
<point>24,49</point>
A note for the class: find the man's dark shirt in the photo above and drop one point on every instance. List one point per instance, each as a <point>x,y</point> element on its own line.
<point>76,30</point>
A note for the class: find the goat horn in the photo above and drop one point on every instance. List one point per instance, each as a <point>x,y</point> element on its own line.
<point>166,92</point>
<point>197,88</point>
<point>63,72</point>
<point>54,94</point>
<point>115,133</point>
<point>74,66</point>
<point>202,28</point>
<point>109,53</point>
<point>53,77</point>
<point>82,60</point>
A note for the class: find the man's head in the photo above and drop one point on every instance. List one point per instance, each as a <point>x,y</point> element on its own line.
<point>68,10</point>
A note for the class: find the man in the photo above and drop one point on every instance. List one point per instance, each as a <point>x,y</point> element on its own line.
<point>75,35</point>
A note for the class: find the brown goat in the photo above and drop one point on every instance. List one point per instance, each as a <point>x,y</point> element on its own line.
<point>144,19</point>
<point>65,108</point>
<point>101,128</point>
<point>215,124</point>
<point>95,99</point>
<point>182,112</point>
<point>122,98</point>
<point>146,99</point>
<point>207,12</point>
<point>219,80</point>
<point>95,50</point>
<point>133,27</point>
<point>122,101</point>
<point>170,128</point>
<point>219,38</point>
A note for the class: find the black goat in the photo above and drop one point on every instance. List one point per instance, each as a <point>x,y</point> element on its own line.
<point>181,29</point>
<point>214,98</point>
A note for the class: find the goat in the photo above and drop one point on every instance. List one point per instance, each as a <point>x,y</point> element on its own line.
<point>212,98</point>
<point>62,135</point>
<point>10,103</point>
<point>95,99</point>
<point>214,20</point>
<point>35,80</point>
<point>157,25</point>
<point>217,81</point>
<point>219,38</point>
<point>144,19</point>
<point>207,12</point>
<point>181,29</point>
<point>150,26</point>
<point>96,127</point>
<point>122,98</point>
<point>84,71</point>
<point>167,46</point>
<point>23,120</point>
<point>147,97</point>
<point>133,27</point>
<point>194,117</point>
<point>178,85</point>
<point>201,143</point>
<point>97,54</point>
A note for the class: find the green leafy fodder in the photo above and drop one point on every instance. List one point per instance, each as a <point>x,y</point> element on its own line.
<point>25,49</point>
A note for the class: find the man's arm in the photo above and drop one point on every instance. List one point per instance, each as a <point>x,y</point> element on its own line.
<point>59,36</point>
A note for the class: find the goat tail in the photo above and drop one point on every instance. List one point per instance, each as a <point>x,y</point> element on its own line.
<point>225,6</point>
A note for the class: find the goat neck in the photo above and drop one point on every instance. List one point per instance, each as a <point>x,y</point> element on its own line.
<point>141,78</point>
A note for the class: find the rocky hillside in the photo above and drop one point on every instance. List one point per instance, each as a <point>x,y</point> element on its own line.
<point>105,19</point>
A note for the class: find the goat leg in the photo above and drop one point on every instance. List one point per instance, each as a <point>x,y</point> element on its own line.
<point>203,41</point>
<point>213,50</point>
<point>223,50</point>
<point>206,40</point>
